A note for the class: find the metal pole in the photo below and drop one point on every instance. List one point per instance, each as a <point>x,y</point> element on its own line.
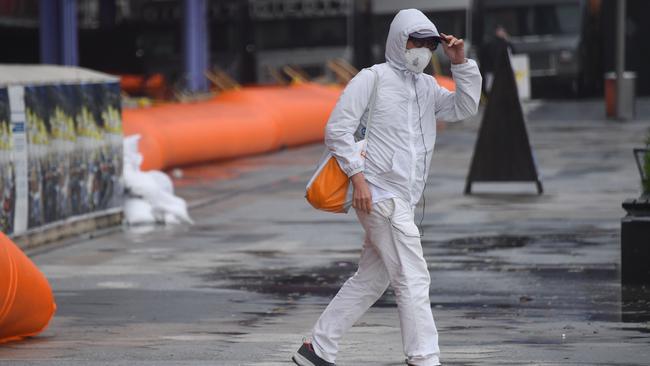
<point>195,27</point>
<point>48,29</point>
<point>620,57</point>
<point>69,33</point>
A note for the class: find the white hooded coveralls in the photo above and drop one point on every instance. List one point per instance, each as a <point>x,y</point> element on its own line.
<point>400,141</point>
<point>395,157</point>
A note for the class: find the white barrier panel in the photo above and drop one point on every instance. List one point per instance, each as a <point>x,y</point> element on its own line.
<point>60,145</point>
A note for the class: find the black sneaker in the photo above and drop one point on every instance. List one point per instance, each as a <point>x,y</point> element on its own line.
<point>307,357</point>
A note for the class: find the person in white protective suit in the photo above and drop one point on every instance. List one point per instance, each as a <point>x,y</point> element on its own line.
<point>390,180</point>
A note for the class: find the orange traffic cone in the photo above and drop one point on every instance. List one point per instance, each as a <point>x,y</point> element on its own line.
<point>26,300</point>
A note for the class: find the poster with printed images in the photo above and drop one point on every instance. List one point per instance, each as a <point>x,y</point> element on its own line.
<point>63,106</point>
<point>99,132</point>
<point>7,171</point>
<point>40,166</point>
<point>111,121</point>
<point>74,149</point>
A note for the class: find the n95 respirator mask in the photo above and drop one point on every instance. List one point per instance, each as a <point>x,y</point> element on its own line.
<point>417,59</point>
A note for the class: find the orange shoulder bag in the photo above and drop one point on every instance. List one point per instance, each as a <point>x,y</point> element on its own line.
<point>329,187</point>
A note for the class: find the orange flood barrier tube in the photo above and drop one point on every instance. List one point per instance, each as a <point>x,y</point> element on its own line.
<point>26,300</point>
<point>235,123</point>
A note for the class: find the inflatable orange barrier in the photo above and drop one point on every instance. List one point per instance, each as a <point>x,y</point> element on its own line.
<point>26,300</point>
<point>241,122</point>
<point>235,123</point>
<point>153,85</point>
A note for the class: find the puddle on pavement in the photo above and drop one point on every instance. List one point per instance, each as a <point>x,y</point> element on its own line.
<point>487,243</point>
<point>263,253</point>
<point>287,282</point>
<point>485,276</point>
<point>476,244</point>
<point>249,237</point>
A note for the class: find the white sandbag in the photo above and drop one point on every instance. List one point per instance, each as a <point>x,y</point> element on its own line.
<point>146,186</point>
<point>162,180</point>
<point>132,156</point>
<point>138,212</point>
<point>154,187</point>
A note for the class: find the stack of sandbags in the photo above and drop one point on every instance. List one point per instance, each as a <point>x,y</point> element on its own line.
<point>150,195</point>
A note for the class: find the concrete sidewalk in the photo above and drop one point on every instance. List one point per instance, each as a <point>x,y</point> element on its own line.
<point>517,279</point>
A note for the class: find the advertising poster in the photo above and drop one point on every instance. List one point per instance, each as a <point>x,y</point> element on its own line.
<point>40,165</point>
<point>63,107</point>
<point>7,171</point>
<point>99,133</point>
<point>111,122</point>
<point>74,150</point>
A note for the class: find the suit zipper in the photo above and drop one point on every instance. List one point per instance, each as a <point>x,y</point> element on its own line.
<point>410,127</point>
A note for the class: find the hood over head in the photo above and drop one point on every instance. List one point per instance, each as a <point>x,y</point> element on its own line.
<point>405,22</point>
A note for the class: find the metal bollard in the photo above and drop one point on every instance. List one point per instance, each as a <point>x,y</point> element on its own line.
<point>621,107</point>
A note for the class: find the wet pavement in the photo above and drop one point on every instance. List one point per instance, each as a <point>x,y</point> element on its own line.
<point>517,278</point>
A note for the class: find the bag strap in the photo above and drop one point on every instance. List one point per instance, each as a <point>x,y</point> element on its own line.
<point>372,102</point>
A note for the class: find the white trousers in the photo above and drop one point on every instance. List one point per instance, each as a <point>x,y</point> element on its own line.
<point>392,254</point>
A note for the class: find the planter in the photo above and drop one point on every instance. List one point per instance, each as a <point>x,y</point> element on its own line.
<point>635,229</point>
<point>635,243</point>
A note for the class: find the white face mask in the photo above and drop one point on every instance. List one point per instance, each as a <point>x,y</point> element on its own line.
<point>417,59</point>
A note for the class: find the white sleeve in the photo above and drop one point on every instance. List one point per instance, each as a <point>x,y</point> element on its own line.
<point>463,103</point>
<point>344,120</point>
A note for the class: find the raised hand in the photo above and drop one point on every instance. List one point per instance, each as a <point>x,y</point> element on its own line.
<point>454,48</point>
